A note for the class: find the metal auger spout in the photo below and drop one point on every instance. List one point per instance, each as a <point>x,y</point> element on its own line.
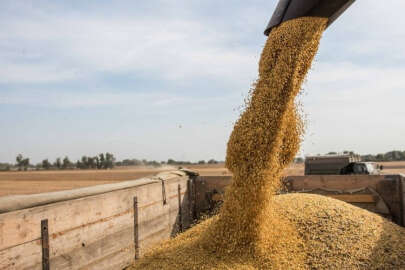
<point>291,9</point>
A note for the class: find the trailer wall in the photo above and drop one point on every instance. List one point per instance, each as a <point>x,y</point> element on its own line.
<point>99,231</point>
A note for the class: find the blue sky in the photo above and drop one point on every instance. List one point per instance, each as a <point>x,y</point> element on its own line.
<point>163,79</point>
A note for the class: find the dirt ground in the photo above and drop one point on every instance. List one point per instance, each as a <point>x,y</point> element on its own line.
<point>45,181</point>
<point>31,182</point>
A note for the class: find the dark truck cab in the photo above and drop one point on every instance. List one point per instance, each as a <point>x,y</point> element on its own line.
<point>362,168</point>
<point>339,165</point>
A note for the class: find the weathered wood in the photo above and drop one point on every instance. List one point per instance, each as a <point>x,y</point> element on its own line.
<point>194,200</point>
<point>22,256</point>
<point>180,214</point>
<point>163,192</point>
<point>65,216</point>
<point>353,198</point>
<point>154,224</point>
<point>388,190</point>
<point>190,201</point>
<point>82,223</point>
<point>205,185</point>
<point>116,261</point>
<point>147,229</point>
<point>19,202</point>
<point>155,218</point>
<point>172,187</point>
<point>96,251</point>
<point>173,203</point>
<point>342,182</point>
<point>154,240</point>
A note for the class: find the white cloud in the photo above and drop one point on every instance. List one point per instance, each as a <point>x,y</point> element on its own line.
<point>36,73</point>
<point>77,46</point>
<point>354,107</point>
<point>366,77</point>
<point>144,102</point>
<point>72,99</point>
<point>370,29</point>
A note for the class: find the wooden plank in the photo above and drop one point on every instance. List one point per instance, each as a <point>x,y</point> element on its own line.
<point>94,252</point>
<point>82,252</point>
<point>29,254</point>
<point>216,182</point>
<point>342,182</point>
<point>152,225</point>
<point>19,202</point>
<point>154,240</point>
<point>174,218</point>
<point>204,184</point>
<point>22,256</point>
<point>180,213</point>
<point>115,261</point>
<point>23,226</point>
<point>353,198</point>
<point>154,220</point>
<point>173,200</point>
<point>112,243</point>
<point>172,187</point>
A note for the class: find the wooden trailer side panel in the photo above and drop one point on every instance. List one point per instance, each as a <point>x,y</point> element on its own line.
<point>95,232</point>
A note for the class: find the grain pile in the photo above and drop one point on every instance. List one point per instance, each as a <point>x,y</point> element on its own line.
<point>255,229</point>
<point>338,235</point>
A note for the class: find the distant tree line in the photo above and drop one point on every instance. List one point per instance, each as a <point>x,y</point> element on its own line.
<point>101,161</point>
<point>394,155</point>
<point>22,163</point>
<point>139,162</point>
<point>201,162</point>
<point>108,161</point>
<point>389,156</point>
<point>154,163</point>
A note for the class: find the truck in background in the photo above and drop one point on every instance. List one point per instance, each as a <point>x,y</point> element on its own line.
<point>339,165</point>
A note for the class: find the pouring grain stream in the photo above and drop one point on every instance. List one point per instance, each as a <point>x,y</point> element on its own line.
<point>251,230</point>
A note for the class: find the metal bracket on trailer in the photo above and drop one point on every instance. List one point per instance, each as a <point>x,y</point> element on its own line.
<point>163,190</point>
<point>45,244</point>
<point>180,210</point>
<point>136,228</point>
<point>401,201</point>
